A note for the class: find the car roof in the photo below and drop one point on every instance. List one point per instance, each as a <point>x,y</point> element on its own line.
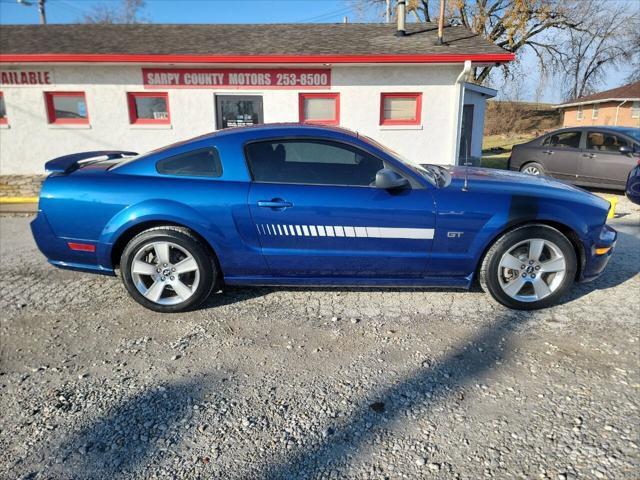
<point>617,129</point>
<point>275,129</point>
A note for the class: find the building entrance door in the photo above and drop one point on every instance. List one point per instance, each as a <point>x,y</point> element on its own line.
<point>238,110</point>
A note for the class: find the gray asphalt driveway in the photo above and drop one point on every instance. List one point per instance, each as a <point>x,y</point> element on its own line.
<point>316,383</point>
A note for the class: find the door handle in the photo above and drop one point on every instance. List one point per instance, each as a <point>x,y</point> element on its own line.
<point>548,152</point>
<point>589,155</point>
<point>276,204</point>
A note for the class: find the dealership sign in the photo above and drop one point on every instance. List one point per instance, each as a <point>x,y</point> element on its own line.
<point>25,77</point>
<point>272,78</point>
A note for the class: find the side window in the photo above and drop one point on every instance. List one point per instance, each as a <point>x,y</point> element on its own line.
<point>605,142</point>
<point>314,162</point>
<point>563,140</point>
<point>204,162</point>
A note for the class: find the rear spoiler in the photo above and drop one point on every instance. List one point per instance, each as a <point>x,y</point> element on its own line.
<point>69,163</point>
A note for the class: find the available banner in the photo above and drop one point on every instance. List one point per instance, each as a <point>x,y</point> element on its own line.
<point>237,78</point>
<point>25,78</point>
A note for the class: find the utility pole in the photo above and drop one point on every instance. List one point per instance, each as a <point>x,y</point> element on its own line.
<point>387,13</point>
<point>43,14</point>
<point>441,24</point>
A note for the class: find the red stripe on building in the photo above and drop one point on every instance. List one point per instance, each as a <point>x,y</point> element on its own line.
<point>256,59</point>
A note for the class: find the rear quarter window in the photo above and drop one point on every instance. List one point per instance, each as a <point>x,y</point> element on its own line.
<point>204,162</point>
<point>563,140</point>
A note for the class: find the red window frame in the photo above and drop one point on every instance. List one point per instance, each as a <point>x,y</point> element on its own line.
<point>133,114</point>
<point>329,121</point>
<point>51,111</point>
<point>417,120</point>
<point>4,120</point>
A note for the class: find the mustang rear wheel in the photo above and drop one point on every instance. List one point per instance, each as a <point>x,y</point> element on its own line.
<point>167,269</point>
<point>530,267</point>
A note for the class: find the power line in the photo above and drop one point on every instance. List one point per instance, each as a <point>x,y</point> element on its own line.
<point>325,16</point>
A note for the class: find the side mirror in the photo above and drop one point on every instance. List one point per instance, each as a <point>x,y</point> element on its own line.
<point>387,179</point>
<point>625,149</point>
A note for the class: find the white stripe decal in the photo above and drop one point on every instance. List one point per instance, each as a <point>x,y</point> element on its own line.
<point>361,231</point>
<point>408,233</point>
<point>345,231</point>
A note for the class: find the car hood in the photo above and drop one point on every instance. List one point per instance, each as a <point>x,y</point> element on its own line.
<point>475,174</point>
<point>521,183</point>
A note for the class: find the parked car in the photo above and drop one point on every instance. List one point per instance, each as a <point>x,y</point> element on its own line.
<point>587,156</point>
<point>312,205</point>
<point>633,184</point>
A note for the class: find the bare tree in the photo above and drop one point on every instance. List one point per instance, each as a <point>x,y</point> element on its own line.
<point>633,54</point>
<point>511,24</point>
<point>591,51</point>
<point>128,11</point>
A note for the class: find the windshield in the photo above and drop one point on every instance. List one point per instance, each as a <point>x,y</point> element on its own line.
<point>436,176</point>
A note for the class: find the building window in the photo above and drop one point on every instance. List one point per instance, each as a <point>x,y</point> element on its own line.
<point>3,110</point>
<point>66,107</point>
<point>148,108</point>
<point>579,113</point>
<point>635,110</point>
<point>400,108</point>
<point>320,108</point>
<point>595,111</point>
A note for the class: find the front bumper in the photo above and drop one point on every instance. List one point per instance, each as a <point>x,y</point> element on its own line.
<point>594,263</point>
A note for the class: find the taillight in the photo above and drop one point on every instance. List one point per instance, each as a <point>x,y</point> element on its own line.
<point>81,247</point>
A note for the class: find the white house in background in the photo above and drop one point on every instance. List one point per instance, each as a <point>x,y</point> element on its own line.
<point>71,88</point>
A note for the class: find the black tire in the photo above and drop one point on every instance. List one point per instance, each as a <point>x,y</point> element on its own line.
<point>532,165</point>
<point>185,242</point>
<point>490,268</point>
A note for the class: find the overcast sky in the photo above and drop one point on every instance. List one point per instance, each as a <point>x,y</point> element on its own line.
<point>272,11</point>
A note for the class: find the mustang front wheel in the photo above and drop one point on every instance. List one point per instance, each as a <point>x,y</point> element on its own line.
<point>167,269</point>
<point>530,267</point>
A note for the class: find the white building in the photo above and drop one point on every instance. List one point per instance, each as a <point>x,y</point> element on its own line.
<point>72,88</point>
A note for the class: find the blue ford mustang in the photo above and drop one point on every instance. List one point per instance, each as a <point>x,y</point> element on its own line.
<point>311,205</point>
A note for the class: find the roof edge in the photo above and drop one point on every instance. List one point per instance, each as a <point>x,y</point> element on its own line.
<point>255,59</point>
<point>604,100</point>
<point>481,89</point>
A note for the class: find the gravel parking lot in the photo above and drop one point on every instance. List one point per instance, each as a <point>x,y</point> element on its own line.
<point>316,383</point>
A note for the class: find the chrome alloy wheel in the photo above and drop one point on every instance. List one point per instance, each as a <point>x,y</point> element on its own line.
<point>531,170</point>
<point>165,273</point>
<point>532,270</point>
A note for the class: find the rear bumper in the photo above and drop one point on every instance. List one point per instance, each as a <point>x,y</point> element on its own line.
<point>57,250</point>
<point>595,263</point>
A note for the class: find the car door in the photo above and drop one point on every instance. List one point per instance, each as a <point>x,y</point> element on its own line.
<point>560,154</point>
<point>318,213</point>
<point>602,163</point>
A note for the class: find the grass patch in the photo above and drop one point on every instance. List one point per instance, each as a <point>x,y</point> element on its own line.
<point>494,162</point>
<point>502,144</point>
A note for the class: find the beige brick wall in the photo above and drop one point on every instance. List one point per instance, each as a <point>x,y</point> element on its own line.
<point>606,116</point>
<point>20,185</point>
